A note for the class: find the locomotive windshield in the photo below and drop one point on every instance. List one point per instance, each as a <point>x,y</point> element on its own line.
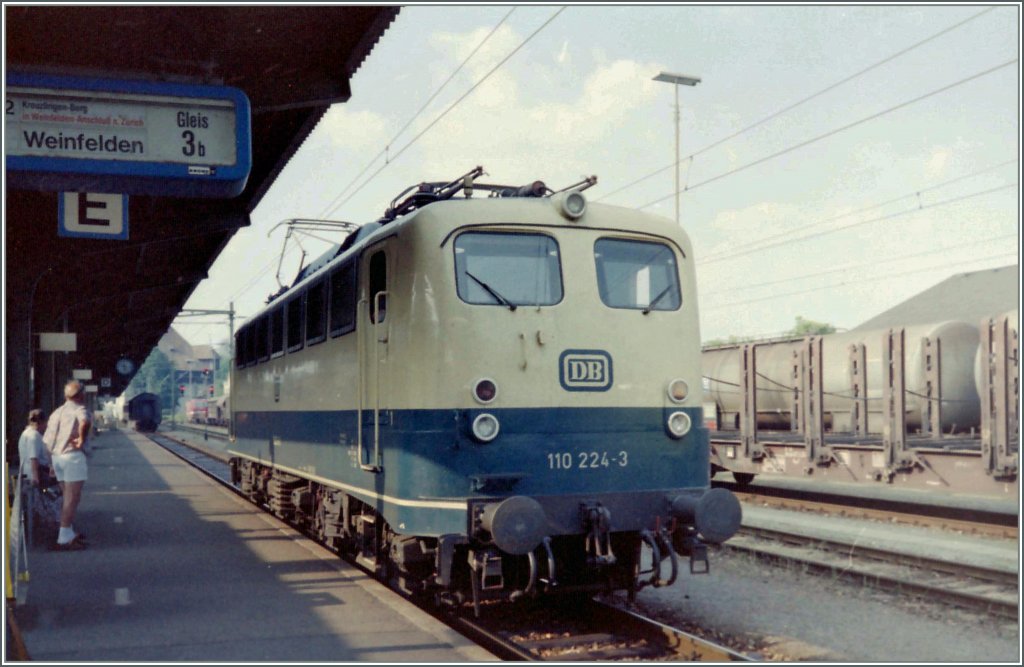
<point>637,274</point>
<point>496,268</point>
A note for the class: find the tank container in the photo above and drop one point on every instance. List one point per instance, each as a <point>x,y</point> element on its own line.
<point>959,344</point>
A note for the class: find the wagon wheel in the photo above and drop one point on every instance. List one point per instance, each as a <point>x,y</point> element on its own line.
<point>743,478</point>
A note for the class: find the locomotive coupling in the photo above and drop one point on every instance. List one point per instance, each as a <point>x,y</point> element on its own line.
<point>716,514</point>
<point>517,525</point>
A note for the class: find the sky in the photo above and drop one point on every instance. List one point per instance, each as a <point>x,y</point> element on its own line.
<point>888,136</point>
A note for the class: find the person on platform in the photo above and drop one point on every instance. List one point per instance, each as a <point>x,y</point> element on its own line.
<point>66,435</point>
<point>35,459</point>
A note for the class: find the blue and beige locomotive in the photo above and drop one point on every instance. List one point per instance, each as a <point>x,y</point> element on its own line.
<point>488,397</point>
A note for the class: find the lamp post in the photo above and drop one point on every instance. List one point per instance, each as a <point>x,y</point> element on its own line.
<point>677,80</point>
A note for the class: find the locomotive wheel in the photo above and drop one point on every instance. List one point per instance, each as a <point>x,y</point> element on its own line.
<point>743,478</point>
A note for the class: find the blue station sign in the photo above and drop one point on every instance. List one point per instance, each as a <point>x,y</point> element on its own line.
<point>126,136</point>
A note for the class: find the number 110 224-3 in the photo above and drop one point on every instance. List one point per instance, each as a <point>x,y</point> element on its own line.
<point>587,460</point>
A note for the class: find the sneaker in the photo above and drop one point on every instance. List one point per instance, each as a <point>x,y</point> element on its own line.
<point>74,545</point>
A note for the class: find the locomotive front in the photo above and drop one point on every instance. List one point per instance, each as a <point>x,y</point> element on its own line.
<point>562,340</point>
<point>488,397</point>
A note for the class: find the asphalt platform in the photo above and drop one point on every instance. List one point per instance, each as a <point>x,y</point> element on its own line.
<point>179,569</point>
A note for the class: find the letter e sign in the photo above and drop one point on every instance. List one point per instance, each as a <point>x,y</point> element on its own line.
<point>93,215</point>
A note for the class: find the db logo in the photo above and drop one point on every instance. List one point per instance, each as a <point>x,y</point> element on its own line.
<point>585,370</point>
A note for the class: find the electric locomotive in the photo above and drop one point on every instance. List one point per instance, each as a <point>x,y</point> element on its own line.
<point>488,397</point>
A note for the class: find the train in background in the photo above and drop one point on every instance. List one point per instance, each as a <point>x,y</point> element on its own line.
<point>219,411</point>
<point>931,406</point>
<point>144,411</point>
<point>487,398</point>
<point>196,411</point>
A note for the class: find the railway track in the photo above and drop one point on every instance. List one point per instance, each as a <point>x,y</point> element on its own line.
<point>981,588</point>
<point>581,629</point>
<point>215,432</point>
<point>586,630</point>
<point>966,521</point>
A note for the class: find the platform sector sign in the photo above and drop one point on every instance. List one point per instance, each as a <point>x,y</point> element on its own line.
<point>126,136</point>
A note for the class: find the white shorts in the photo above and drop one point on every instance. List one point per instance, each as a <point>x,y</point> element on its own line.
<point>71,467</point>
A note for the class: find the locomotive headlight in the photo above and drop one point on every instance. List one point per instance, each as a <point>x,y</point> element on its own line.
<point>679,424</point>
<point>485,390</point>
<point>678,390</point>
<point>486,427</point>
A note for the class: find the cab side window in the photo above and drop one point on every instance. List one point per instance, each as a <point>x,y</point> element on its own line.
<point>378,284</point>
<point>343,299</point>
<point>316,312</point>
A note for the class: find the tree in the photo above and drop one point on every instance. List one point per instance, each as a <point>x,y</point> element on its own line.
<point>803,327</point>
<point>152,377</point>
<point>731,340</point>
<point>806,327</point>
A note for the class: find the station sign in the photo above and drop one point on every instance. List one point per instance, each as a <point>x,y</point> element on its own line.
<point>92,215</point>
<point>126,136</point>
<point>58,342</point>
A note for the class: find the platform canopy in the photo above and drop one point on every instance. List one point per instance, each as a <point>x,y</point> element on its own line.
<point>119,296</point>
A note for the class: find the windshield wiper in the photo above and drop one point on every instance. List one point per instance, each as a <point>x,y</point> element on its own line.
<point>490,290</point>
<point>656,299</point>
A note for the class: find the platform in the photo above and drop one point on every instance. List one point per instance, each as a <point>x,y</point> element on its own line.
<point>180,569</point>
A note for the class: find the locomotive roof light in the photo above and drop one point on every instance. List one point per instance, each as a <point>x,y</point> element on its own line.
<point>678,390</point>
<point>679,424</point>
<point>486,427</point>
<point>485,391</point>
<point>571,204</point>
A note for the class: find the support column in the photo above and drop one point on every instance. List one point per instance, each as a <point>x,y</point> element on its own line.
<point>859,389</point>
<point>931,409</point>
<point>898,458</point>
<point>1000,426</point>
<point>752,450</point>
<point>18,399</point>
<point>813,394</point>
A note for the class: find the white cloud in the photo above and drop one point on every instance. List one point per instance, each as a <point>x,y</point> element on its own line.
<point>939,161</point>
<point>563,55</point>
<point>761,219</point>
<point>354,131</point>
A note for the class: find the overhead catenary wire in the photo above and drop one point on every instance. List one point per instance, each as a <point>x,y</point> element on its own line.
<point>757,244</point>
<point>859,281</point>
<point>328,208</point>
<point>836,131</point>
<point>448,110</point>
<point>800,102</point>
<point>889,216</point>
<point>852,267</point>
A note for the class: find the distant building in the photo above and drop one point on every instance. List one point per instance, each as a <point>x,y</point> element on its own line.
<point>965,297</point>
<point>206,357</point>
<point>189,361</point>
<point>175,348</point>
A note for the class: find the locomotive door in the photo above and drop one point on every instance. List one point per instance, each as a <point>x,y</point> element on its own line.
<point>374,325</point>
